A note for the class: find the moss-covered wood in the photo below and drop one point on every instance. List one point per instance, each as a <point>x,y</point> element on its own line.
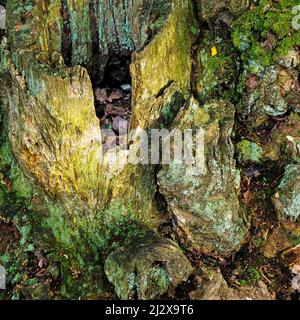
<point>229,67</point>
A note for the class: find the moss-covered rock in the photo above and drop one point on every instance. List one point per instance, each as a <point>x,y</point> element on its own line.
<point>204,200</point>
<point>283,236</point>
<point>287,198</point>
<point>214,287</point>
<point>147,267</point>
<point>210,8</point>
<point>284,141</point>
<point>264,33</point>
<point>268,45</point>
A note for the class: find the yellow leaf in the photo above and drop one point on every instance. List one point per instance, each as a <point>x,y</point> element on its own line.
<point>214,51</point>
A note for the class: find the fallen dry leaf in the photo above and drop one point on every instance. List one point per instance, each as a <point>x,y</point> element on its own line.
<point>248,196</point>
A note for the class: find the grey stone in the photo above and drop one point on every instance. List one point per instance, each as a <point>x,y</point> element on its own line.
<point>287,198</point>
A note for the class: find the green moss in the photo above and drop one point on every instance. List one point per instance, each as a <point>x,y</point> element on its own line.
<point>215,72</point>
<point>83,242</point>
<point>253,28</point>
<point>249,151</point>
<point>13,262</point>
<point>170,110</point>
<point>162,278</point>
<point>156,282</point>
<point>295,239</point>
<point>158,15</point>
<point>279,22</point>
<point>3,57</point>
<point>243,282</point>
<point>16,190</point>
<point>20,184</point>
<point>285,44</point>
<point>2,197</point>
<point>5,155</point>
<point>25,232</point>
<point>259,242</point>
<point>252,275</point>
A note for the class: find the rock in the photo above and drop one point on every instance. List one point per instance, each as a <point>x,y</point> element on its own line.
<point>209,8</point>
<point>204,201</point>
<point>291,258</point>
<point>285,234</point>
<point>271,74</point>
<point>287,199</point>
<point>126,87</point>
<point>272,94</point>
<point>258,291</point>
<point>270,43</point>
<point>274,104</point>
<point>281,237</point>
<point>252,82</point>
<point>291,60</point>
<point>293,98</point>
<point>284,140</point>
<point>147,268</point>
<point>286,81</point>
<point>57,59</point>
<point>212,286</point>
<point>296,283</point>
<point>238,7</point>
<point>38,291</point>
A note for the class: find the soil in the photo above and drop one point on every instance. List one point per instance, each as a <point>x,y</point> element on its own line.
<point>9,236</point>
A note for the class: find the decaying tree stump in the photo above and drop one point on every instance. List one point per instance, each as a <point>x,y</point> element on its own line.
<point>97,214</point>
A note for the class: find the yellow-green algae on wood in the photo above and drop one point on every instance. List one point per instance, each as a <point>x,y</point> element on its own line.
<point>164,63</point>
